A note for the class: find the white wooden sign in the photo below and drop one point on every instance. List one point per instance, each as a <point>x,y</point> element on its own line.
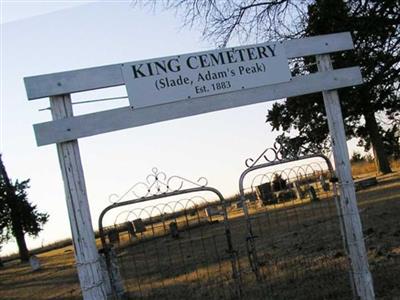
<point>180,77</point>
<point>73,127</point>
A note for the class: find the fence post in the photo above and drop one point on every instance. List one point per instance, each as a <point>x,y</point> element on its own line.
<point>111,275</point>
<point>86,255</point>
<point>348,203</point>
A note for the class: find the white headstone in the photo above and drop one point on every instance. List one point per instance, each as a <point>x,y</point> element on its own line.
<point>35,263</point>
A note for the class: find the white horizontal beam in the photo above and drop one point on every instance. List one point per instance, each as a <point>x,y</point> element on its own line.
<point>126,117</point>
<point>108,76</point>
<point>322,44</point>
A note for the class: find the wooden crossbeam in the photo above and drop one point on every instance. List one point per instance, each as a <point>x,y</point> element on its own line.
<point>109,76</point>
<point>126,117</point>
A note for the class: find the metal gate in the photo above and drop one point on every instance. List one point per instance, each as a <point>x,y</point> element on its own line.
<point>281,238</point>
<point>170,242</point>
<point>294,243</point>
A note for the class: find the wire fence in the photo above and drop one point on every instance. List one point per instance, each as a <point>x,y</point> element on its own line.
<point>288,246</point>
<point>295,242</point>
<point>176,253</point>
<point>197,247</point>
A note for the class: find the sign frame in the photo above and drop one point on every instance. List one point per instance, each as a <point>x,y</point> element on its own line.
<point>66,128</point>
<point>199,74</point>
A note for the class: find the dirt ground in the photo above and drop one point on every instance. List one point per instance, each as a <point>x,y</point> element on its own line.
<point>380,210</point>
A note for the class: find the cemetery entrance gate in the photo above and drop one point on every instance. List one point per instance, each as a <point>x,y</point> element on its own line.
<point>280,239</point>
<point>244,75</point>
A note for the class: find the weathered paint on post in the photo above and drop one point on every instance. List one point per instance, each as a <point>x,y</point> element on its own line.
<point>87,257</point>
<point>348,203</point>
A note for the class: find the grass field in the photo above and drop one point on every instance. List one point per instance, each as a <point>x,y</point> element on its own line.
<point>282,246</point>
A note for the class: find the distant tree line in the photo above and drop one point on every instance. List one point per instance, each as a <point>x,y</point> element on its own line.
<point>357,157</point>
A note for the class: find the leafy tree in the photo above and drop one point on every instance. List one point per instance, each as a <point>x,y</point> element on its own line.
<point>375,28</point>
<point>391,140</point>
<point>17,215</point>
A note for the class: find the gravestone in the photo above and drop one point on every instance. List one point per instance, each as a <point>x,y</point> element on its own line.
<point>35,263</point>
<point>139,225</point>
<point>324,183</point>
<point>131,229</point>
<point>299,191</point>
<point>313,194</point>
<point>211,211</point>
<point>173,229</point>
<point>265,194</point>
<point>113,236</point>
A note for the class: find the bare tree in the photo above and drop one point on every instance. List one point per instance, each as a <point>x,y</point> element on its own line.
<point>243,20</point>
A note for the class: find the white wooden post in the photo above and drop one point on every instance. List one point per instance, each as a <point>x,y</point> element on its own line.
<point>87,257</point>
<point>348,202</point>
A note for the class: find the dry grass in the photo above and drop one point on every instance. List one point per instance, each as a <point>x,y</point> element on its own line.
<point>53,246</point>
<point>56,280</point>
<point>294,260</point>
<point>365,168</point>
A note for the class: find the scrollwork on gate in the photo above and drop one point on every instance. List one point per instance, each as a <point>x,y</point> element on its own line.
<point>270,154</point>
<point>277,153</point>
<point>158,183</point>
